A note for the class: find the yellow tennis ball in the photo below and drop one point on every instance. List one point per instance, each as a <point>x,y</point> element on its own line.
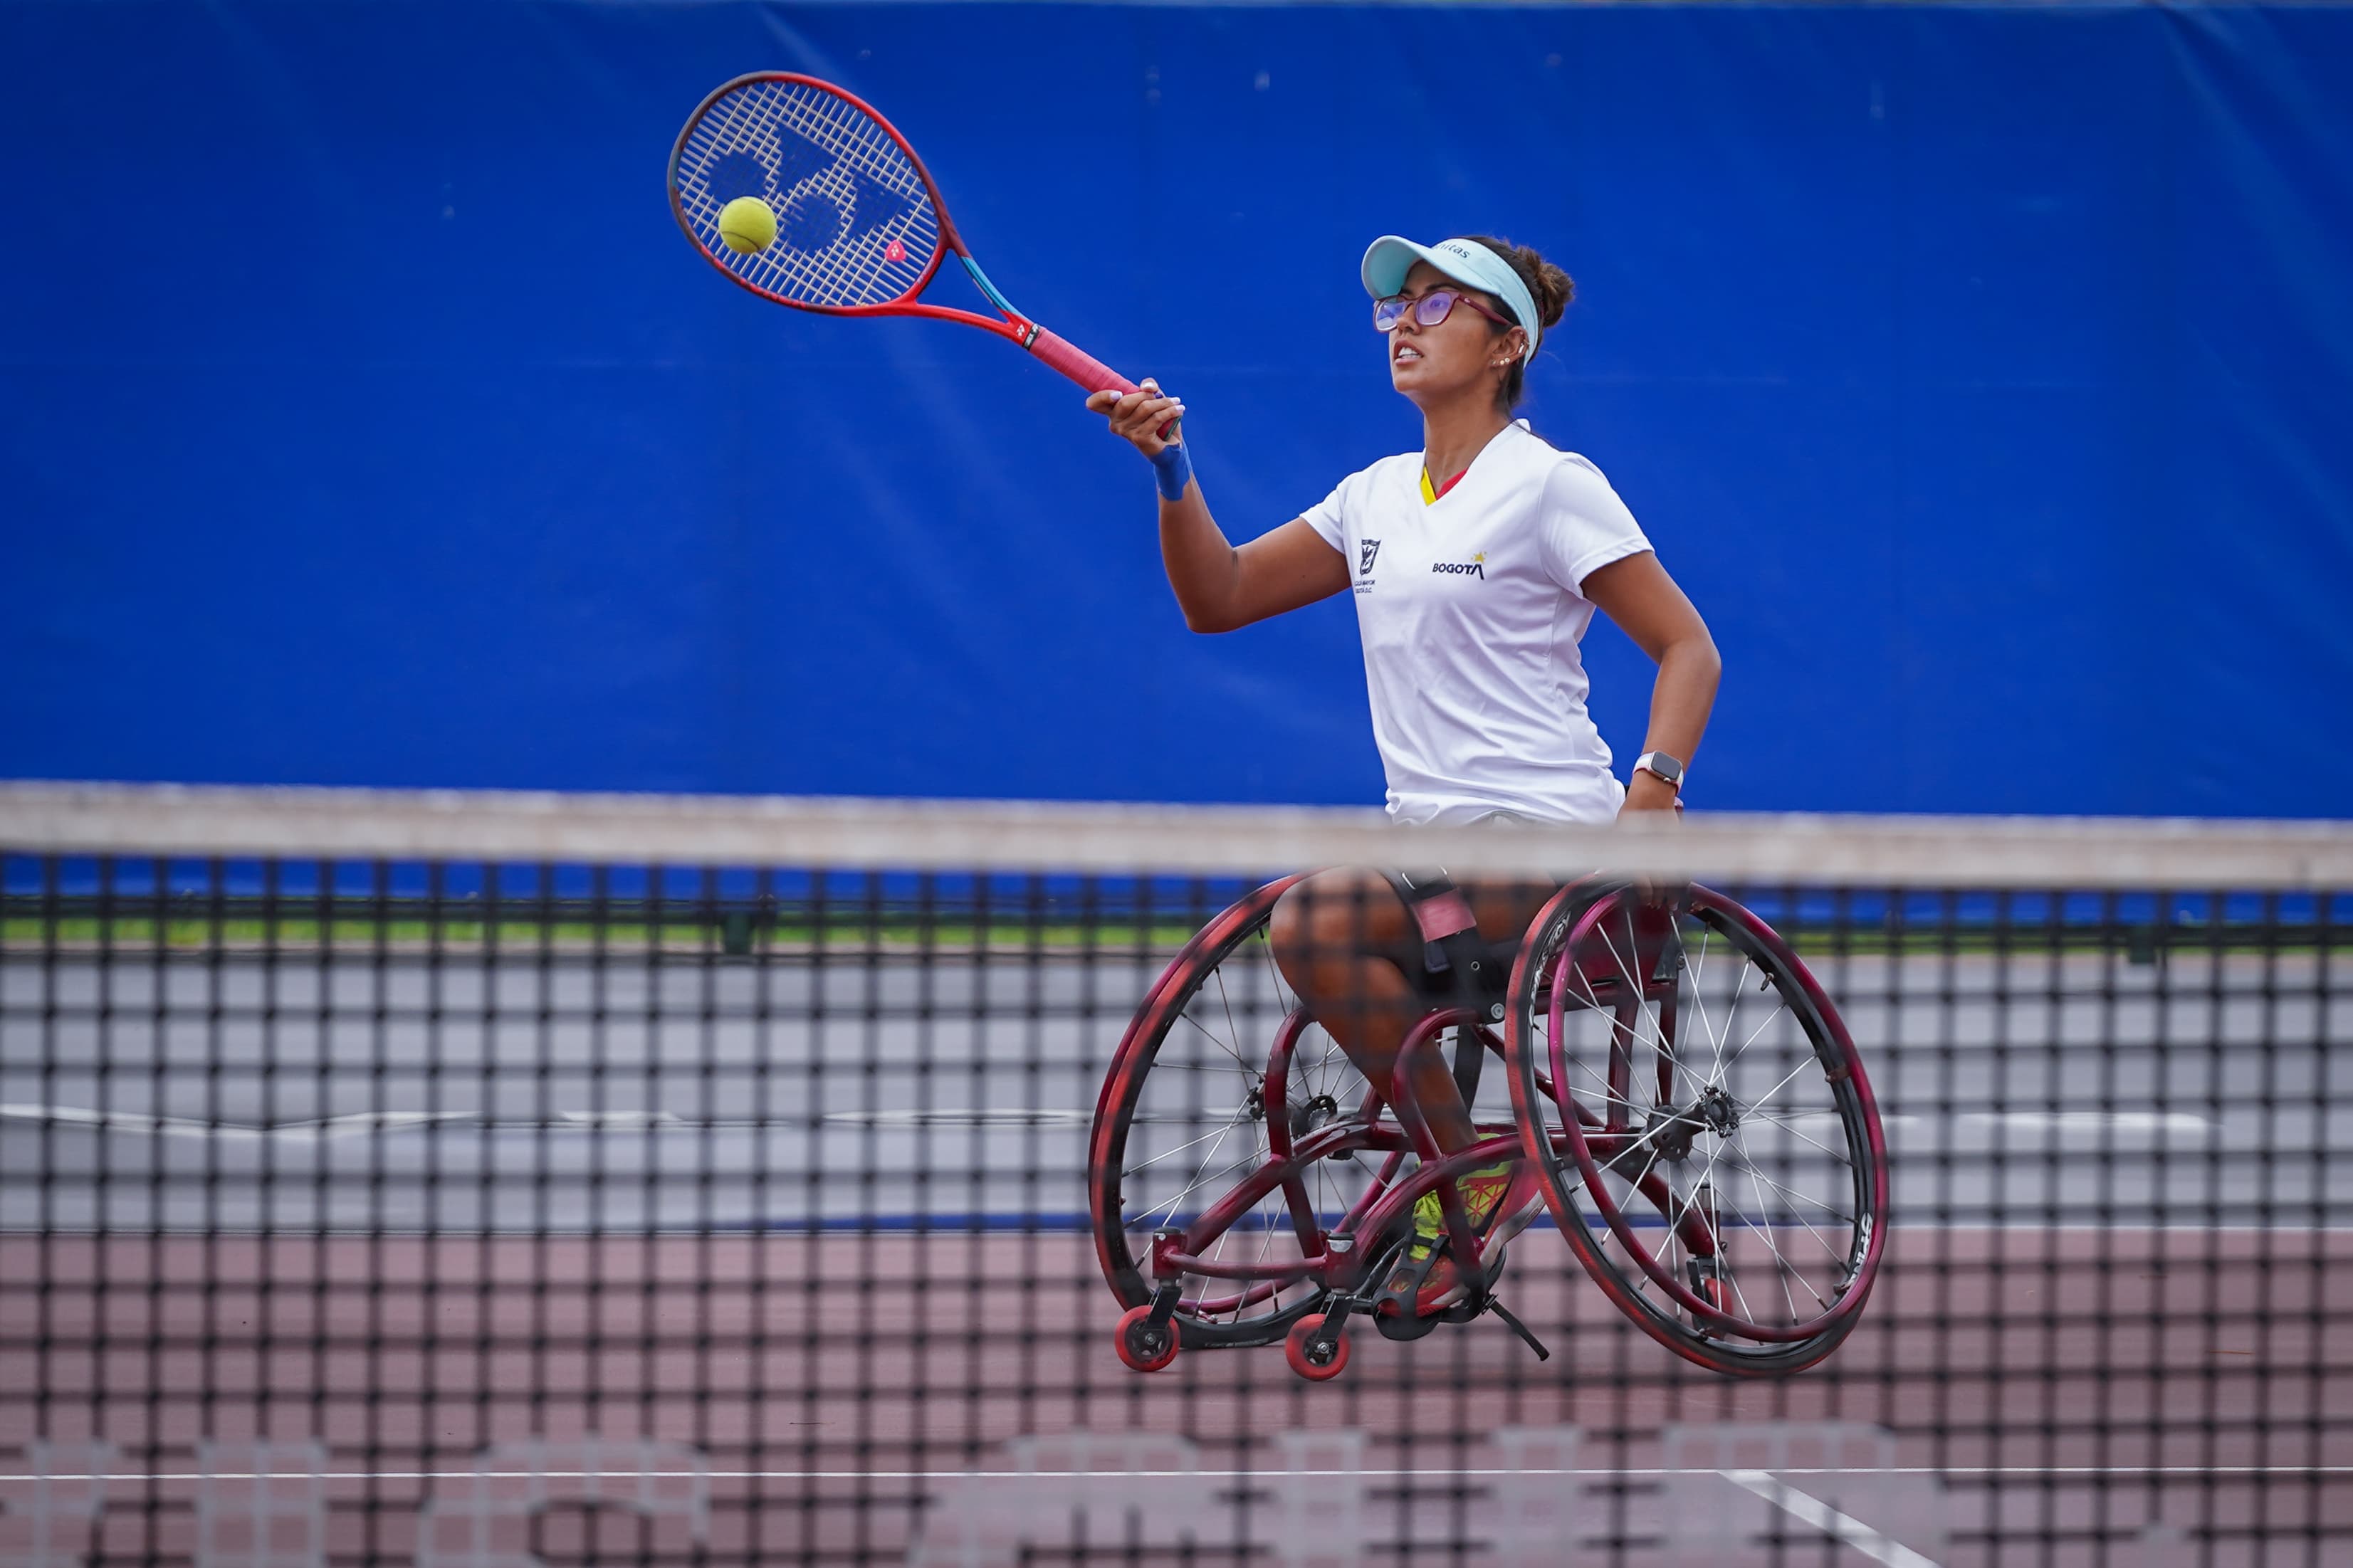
<point>747,224</point>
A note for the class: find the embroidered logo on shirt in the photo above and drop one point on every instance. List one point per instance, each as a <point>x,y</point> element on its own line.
<point>1365,550</point>
<point>1474,567</point>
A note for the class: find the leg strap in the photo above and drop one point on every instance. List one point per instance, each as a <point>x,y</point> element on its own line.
<point>1437,905</point>
<point>1460,964</point>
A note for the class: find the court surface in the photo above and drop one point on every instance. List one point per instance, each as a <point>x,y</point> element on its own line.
<point>834,1268</point>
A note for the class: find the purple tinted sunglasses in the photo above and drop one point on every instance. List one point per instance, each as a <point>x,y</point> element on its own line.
<point>1428,310</point>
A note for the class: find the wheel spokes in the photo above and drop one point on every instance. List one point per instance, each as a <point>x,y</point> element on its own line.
<point>1198,1128</point>
<point>1713,1100</point>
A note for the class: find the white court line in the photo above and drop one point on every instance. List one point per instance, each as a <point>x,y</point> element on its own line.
<point>962,1116</point>
<point>2146,1121</point>
<point>357,1123</point>
<point>139,1123</point>
<point>1812,1510</point>
<point>2031,1473</point>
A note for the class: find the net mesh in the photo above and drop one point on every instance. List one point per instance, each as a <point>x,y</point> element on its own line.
<point>588,1189</point>
<point>855,223</point>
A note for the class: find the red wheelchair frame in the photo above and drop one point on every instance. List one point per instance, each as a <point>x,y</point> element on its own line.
<point>1582,1142</point>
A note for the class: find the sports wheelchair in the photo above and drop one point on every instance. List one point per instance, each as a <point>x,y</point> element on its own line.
<point>1695,1114</point>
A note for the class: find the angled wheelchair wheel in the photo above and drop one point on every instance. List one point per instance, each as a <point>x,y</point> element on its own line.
<point>1700,1122</point>
<point>1232,1124</point>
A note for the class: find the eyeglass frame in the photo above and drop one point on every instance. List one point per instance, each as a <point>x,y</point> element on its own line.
<point>1452,296</point>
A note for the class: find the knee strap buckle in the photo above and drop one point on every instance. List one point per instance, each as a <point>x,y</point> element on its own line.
<point>1452,952</point>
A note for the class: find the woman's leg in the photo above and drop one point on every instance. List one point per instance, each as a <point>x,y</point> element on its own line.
<point>1345,943</point>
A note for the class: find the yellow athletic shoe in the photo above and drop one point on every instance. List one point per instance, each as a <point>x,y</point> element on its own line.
<point>1501,1201</point>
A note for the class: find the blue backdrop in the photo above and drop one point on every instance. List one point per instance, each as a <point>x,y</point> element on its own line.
<point>364,419</point>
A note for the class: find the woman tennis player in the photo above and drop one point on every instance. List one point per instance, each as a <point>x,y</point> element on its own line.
<point>1477,563</point>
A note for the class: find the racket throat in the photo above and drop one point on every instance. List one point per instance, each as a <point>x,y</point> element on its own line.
<point>1027,328</point>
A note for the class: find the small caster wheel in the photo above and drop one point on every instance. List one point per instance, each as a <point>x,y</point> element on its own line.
<point>1140,1345</point>
<point>1310,1355</point>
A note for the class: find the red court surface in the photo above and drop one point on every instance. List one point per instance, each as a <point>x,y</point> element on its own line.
<point>2056,1397</point>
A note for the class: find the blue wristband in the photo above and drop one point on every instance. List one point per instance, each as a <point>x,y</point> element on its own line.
<point>1172,468</point>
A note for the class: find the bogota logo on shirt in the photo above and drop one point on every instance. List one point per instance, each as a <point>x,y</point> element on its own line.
<point>1366,550</point>
<point>1474,567</point>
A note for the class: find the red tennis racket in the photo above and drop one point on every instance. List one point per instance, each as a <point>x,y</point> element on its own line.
<point>861,228</point>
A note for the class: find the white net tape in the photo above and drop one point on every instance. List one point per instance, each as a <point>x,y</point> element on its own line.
<point>968,835</point>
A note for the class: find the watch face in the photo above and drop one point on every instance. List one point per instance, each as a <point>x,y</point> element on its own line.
<point>1665,767</point>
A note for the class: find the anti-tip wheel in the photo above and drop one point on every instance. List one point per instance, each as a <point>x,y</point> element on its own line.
<point>1144,1346</point>
<point>1317,1362</point>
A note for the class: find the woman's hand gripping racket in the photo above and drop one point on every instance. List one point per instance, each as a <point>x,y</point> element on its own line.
<point>858,227</point>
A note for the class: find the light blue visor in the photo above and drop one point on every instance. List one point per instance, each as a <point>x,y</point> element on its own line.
<point>1466,262</point>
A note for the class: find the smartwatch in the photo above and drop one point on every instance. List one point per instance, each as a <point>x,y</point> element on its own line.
<point>1664,766</point>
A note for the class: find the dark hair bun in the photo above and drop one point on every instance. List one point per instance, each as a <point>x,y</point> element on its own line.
<point>1548,286</point>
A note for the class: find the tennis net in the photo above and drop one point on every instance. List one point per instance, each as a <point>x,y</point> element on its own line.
<point>497,1179</point>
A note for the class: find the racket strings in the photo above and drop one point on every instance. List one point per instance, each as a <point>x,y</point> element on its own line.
<point>855,222</point>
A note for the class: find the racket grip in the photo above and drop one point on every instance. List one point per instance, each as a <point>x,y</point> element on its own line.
<point>1087,371</point>
<point>1078,364</point>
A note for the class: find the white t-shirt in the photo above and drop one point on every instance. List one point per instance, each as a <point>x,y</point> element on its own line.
<point>1471,615</point>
